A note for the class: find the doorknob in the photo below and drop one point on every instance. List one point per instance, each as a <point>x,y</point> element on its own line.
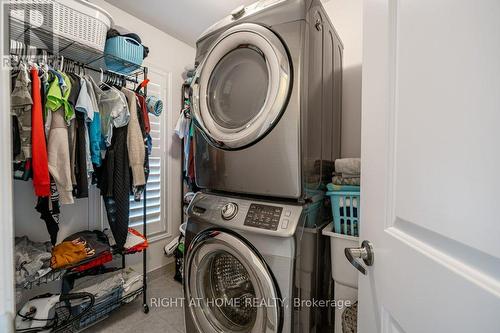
<point>364,252</point>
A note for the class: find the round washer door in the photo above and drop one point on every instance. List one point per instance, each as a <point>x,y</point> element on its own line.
<point>229,287</point>
<point>242,86</point>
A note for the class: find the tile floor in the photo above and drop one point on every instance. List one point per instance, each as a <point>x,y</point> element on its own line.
<point>162,319</point>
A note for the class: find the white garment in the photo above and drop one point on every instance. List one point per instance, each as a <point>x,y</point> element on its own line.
<point>113,109</point>
<point>132,281</point>
<point>132,240</point>
<point>182,126</point>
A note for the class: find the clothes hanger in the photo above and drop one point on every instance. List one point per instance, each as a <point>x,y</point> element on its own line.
<point>61,64</point>
<point>102,79</point>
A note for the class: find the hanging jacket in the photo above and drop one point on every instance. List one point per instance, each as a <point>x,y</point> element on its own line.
<point>114,183</point>
<point>59,157</point>
<point>41,179</point>
<point>135,142</point>
<point>144,112</point>
<point>77,142</point>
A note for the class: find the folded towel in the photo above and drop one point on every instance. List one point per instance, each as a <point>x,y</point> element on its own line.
<point>337,180</point>
<point>348,166</point>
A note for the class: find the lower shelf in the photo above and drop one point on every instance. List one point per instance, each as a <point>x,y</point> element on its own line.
<point>71,320</point>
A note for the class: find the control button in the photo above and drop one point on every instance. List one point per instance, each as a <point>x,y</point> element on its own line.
<point>229,210</point>
<point>238,12</point>
<point>288,213</point>
<point>284,225</point>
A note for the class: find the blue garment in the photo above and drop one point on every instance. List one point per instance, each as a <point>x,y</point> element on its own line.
<point>87,103</point>
<point>187,142</point>
<point>95,139</point>
<point>149,143</point>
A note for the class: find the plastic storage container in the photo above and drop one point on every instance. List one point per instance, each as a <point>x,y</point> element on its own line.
<point>76,20</point>
<point>125,48</point>
<point>345,209</point>
<point>344,275</point>
<point>311,213</point>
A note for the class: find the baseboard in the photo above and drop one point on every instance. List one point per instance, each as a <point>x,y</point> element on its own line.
<point>168,269</point>
<point>6,323</point>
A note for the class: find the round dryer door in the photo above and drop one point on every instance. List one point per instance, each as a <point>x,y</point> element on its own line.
<point>242,86</point>
<point>229,287</point>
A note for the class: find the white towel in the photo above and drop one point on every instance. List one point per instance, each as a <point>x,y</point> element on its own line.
<point>348,167</point>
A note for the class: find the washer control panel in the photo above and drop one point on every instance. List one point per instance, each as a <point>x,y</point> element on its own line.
<point>263,216</point>
<point>229,211</point>
<point>266,217</point>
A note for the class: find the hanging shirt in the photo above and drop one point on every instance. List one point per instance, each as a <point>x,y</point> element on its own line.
<point>21,103</point>
<point>56,98</point>
<point>94,125</point>
<point>41,179</point>
<point>84,106</point>
<point>114,112</point>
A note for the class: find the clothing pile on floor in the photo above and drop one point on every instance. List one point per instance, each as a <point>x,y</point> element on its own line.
<point>31,260</point>
<point>69,131</point>
<point>347,171</point>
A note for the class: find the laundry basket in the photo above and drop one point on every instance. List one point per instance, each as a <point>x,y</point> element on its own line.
<point>350,319</point>
<point>76,20</point>
<point>345,208</point>
<point>123,48</point>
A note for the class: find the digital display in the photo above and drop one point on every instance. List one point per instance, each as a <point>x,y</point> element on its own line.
<point>263,216</point>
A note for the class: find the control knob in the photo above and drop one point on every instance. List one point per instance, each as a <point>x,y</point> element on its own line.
<point>229,210</point>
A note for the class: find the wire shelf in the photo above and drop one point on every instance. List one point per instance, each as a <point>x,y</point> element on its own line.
<point>44,39</point>
<point>68,323</point>
<point>51,276</point>
<point>58,274</point>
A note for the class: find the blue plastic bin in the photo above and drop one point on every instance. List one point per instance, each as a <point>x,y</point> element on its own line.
<point>126,48</point>
<point>311,214</point>
<point>345,209</point>
<point>312,211</point>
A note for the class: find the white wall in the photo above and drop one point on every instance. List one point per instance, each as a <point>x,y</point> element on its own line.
<point>169,55</point>
<point>7,302</point>
<point>347,17</point>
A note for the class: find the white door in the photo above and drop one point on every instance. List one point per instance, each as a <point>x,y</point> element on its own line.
<point>7,300</point>
<point>431,163</point>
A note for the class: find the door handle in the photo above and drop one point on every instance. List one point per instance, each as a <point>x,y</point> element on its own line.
<point>364,252</point>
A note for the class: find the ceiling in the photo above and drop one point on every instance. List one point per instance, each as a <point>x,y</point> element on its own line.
<point>184,19</point>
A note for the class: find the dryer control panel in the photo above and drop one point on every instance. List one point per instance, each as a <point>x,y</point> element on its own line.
<point>267,217</point>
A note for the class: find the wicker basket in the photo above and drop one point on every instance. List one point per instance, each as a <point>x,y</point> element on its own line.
<point>350,319</point>
<point>76,20</point>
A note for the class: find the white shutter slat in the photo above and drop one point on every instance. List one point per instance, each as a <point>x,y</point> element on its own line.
<point>154,185</point>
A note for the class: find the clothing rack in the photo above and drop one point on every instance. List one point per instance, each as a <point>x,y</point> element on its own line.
<point>71,53</point>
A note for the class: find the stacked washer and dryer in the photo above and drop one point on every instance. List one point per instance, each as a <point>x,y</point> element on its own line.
<point>266,99</point>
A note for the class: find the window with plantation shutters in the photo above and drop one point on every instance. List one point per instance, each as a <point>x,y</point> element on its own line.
<point>153,188</point>
<point>156,184</point>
